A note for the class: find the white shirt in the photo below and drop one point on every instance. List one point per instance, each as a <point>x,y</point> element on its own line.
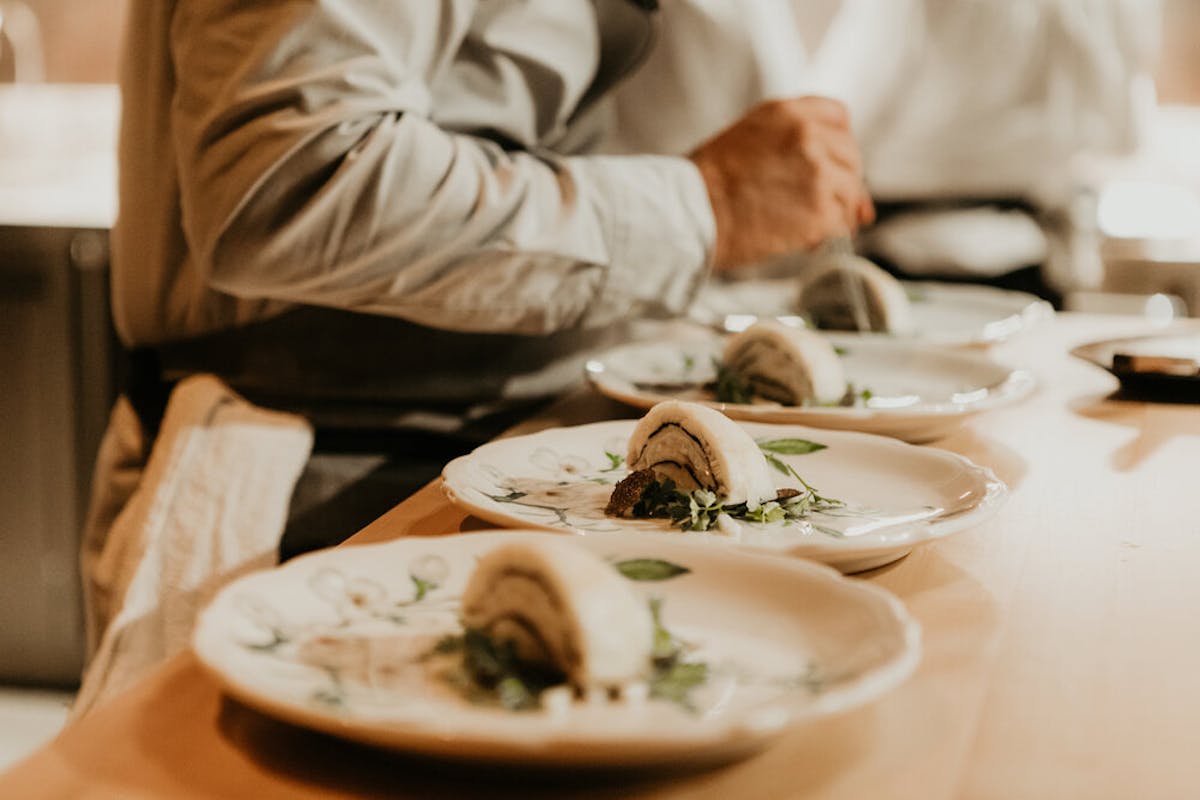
<point>948,98</point>
<point>325,154</point>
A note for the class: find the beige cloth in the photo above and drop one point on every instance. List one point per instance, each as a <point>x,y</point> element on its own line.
<point>164,534</point>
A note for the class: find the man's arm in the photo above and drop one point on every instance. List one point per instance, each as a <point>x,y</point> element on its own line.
<point>311,173</point>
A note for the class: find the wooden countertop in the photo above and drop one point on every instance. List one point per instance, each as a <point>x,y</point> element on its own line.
<point>1061,658</point>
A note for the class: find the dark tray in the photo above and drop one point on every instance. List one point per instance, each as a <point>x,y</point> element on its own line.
<point>1163,367</point>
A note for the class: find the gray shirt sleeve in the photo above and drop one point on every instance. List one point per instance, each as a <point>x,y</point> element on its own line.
<point>311,172</point>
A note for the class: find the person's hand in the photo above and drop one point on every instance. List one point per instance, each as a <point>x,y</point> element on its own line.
<point>787,176</point>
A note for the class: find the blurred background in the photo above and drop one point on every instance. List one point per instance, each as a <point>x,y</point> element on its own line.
<point>1120,233</point>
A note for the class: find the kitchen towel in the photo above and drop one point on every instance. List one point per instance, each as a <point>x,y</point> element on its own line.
<point>211,505</point>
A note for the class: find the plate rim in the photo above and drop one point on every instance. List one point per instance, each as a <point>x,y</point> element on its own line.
<point>1032,310</point>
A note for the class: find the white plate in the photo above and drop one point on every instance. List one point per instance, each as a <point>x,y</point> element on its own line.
<point>334,641</point>
<point>897,495</point>
<point>943,313</point>
<point>918,393</point>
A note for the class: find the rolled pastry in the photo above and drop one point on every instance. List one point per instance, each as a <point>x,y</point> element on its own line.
<point>786,364</point>
<point>564,608</point>
<point>825,296</point>
<point>700,448</point>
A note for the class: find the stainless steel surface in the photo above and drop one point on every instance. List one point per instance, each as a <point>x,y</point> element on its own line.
<point>57,201</point>
<point>56,356</point>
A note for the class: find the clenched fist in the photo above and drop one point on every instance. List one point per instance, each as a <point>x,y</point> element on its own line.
<point>786,176</point>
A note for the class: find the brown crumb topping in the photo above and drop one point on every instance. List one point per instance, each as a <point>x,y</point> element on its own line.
<point>628,491</point>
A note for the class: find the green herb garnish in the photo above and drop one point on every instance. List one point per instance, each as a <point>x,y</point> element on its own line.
<point>491,673</point>
<point>854,397</point>
<point>666,646</point>
<point>423,587</point>
<point>699,510</point>
<point>731,387</point>
<point>691,512</point>
<point>790,447</point>
<point>649,569</point>
<point>674,683</point>
<point>816,502</point>
<point>673,678</point>
<point>495,672</point>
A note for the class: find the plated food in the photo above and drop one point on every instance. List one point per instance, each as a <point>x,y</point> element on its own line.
<point>370,643</point>
<point>941,313</point>
<point>696,447</point>
<point>780,363</point>
<point>847,499</point>
<point>562,612</point>
<point>828,294</point>
<point>700,469</point>
<point>892,387</point>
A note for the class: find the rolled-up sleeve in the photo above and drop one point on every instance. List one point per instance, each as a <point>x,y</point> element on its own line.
<point>311,172</point>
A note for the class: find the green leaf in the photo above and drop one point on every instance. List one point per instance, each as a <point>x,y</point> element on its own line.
<point>665,645</point>
<point>731,387</point>
<point>698,511</point>
<point>514,695</point>
<point>790,447</point>
<point>649,569</point>
<point>495,674</point>
<point>423,587</point>
<point>673,678</point>
<point>675,682</point>
<point>778,464</point>
<point>818,503</point>
<point>767,513</point>
<point>853,398</point>
<point>615,461</point>
<point>485,662</point>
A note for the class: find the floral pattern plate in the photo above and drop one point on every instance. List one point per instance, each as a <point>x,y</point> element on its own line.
<point>896,495</point>
<point>918,393</point>
<point>339,641</point>
<point>943,313</point>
